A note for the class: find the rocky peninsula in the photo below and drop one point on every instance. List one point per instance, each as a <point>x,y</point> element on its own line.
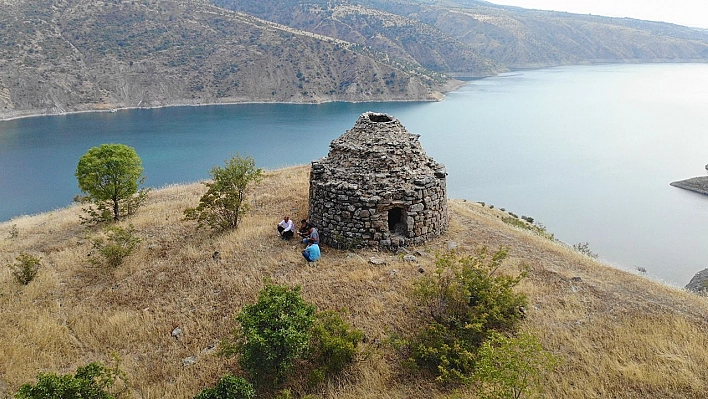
<point>695,184</point>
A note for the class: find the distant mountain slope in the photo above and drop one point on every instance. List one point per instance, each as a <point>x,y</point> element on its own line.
<point>476,37</point>
<point>385,29</point>
<point>72,55</point>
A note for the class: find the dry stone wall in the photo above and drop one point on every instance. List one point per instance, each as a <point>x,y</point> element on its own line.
<point>378,188</point>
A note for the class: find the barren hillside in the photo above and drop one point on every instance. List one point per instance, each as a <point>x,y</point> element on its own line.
<point>618,334</point>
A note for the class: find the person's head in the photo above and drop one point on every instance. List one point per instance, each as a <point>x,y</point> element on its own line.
<point>303,223</point>
<point>286,218</point>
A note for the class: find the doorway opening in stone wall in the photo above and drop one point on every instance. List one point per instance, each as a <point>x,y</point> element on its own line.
<point>397,221</point>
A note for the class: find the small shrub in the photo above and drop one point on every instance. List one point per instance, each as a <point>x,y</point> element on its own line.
<point>467,301</point>
<point>13,233</point>
<point>512,367</point>
<point>118,245</point>
<point>229,387</point>
<point>333,347</point>
<point>275,332</point>
<point>93,381</point>
<point>584,248</point>
<point>537,229</point>
<point>25,268</point>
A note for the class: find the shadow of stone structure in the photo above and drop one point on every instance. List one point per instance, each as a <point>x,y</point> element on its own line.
<point>377,188</point>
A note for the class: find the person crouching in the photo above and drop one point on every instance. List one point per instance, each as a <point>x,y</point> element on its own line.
<point>312,252</point>
<point>286,228</point>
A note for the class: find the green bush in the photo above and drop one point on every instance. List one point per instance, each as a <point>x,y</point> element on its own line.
<point>225,200</point>
<point>229,387</point>
<point>333,346</point>
<point>512,367</point>
<point>93,381</point>
<point>467,301</point>
<point>25,268</point>
<point>275,332</point>
<point>118,245</point>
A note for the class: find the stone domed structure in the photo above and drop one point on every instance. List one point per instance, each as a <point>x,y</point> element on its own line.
<point>378,188</point>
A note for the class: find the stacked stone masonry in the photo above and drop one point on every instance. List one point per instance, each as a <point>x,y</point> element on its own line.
<point>377,188</point>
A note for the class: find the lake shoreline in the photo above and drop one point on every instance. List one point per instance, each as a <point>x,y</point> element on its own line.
<point>453,85</point>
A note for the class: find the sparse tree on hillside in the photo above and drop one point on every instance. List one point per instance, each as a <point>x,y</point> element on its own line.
<point>109,176</point>
<point>224,202</point>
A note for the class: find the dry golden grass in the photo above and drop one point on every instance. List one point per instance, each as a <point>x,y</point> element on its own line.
<point>619,335</point>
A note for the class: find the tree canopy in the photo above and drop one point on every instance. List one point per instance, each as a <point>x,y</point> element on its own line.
<point>110,173</point>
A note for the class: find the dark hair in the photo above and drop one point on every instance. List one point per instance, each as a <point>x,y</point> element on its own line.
<point>303,221</point>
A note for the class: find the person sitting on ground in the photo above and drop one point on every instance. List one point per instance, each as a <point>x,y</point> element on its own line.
<point>313,236</point>
<point>303,231</point>
<point>312,252</point>
<point>286,229</point>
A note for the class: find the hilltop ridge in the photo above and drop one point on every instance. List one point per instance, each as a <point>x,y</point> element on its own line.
<point>618,334</point>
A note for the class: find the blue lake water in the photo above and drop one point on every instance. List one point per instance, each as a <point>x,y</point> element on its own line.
<point>587,151</point>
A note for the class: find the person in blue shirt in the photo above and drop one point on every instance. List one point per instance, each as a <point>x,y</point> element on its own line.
<point>312,252</point>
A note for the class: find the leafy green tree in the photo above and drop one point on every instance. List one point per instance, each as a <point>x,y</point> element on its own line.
<point>93,381</point>
<point>467,301</point>
<point>224,202</point>
<point>229,387</point>
<point>109,176</point>
<point>512,367</point>
<point>275,332</point>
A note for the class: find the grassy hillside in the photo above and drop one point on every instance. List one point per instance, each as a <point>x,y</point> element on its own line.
<point>619,335</point>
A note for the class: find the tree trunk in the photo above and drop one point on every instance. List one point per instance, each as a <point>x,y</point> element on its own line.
<point>115,210</point>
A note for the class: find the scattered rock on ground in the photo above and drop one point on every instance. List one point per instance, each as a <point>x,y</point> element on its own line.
<point>177,332</point>
<point>188,361</point>
<point>377,261</point>
<point>209,349</point>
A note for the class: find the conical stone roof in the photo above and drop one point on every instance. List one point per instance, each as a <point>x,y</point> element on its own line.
<point>377,152</point>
